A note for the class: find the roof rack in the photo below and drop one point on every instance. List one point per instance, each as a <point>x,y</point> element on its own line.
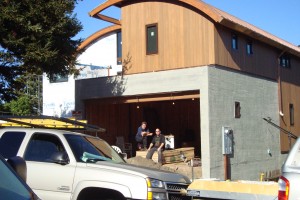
<point>50,122</point>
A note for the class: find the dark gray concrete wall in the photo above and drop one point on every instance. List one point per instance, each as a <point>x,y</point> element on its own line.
<point>253,137</point>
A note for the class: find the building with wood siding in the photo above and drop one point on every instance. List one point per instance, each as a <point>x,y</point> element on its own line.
<point>192,69</point>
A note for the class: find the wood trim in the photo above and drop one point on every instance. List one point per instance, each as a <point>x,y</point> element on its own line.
<point>196,4</point>
<point>108,19</point>
<point>168,98</point>
<point>103,6</point>
<point>98,35</point>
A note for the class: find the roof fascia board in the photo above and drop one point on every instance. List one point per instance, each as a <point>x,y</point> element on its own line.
<point>194,3</point>
<point>263,37</point>
<point>88,41</point>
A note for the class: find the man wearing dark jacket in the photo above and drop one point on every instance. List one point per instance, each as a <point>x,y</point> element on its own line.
<point>157,144</point>
<point>141,136</point>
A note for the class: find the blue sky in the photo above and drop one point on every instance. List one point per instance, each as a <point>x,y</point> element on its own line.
<point>278,17</point>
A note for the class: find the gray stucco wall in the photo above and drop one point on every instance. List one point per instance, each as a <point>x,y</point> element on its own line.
<point>137,84</point>
<point>219,89</point>
<point>252,135</point>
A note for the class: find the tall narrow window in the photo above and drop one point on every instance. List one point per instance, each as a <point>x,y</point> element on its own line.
<point>152,39</point>
<point>237,109</point>
<point>119,48</point>
<point>249,48</point>
<point>292,121</point>
<point>234,41</point>
<point>285,61</point>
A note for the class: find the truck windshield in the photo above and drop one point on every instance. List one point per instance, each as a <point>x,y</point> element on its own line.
<point>92,149</point>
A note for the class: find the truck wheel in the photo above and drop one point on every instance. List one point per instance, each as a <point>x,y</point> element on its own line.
<point>100,194</point>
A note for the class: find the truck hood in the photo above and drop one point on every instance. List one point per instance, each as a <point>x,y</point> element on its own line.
<point>143,171</point>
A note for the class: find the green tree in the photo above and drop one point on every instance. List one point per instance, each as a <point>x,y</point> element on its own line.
<point>36,37</point>
<point>21,106</point>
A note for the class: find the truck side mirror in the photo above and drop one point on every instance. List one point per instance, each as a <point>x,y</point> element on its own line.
<point>60,158</point>
<point>19,165</point>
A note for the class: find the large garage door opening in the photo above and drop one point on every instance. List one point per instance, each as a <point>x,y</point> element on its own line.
<point>176,114</point>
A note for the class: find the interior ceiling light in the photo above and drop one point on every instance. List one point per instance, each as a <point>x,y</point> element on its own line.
<point>138,101</point>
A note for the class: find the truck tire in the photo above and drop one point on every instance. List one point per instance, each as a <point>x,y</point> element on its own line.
<point>100,194</point>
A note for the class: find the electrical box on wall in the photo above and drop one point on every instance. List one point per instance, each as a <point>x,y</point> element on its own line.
<point>227,140</point>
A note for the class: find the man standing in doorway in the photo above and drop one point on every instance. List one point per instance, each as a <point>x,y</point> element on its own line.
<point>157,144</point>
<point>141,136</point>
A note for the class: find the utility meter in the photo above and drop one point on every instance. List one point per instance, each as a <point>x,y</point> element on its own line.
<point>227,140</point>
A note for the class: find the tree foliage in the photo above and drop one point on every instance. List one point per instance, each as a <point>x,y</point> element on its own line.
<point>21,106</point>
<point>36,37</point>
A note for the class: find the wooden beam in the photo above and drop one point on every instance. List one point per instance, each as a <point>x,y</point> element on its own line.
<point>165,98</point>
<point>108,19</point>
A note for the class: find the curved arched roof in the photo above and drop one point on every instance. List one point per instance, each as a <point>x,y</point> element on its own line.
<point>216,16</point>
<point>94,37</point>
<point>201,6</point>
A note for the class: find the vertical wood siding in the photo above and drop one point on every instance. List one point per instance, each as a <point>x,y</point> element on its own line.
<point>290,89</point>
<point>185,37</point>
<point>262,62</point>
<point>182,119</point>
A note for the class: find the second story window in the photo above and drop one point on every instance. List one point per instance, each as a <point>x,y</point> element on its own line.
<point>119,48</point>
<point>151,39</point>
<point>57,78</point>
<point>292,121</point>
<point>285,61</point>
<point>249,48</point>
<point>234,41</point>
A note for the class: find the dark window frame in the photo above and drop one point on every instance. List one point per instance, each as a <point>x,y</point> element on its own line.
<point>249,47</point>
<point>150,51</point>
<point>234,41</point>
<point>285,61</point>
<point>119,47</point>
<point>292,114</point>
<point>237,109</point>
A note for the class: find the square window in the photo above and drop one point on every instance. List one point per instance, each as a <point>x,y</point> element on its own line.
<point>285,61</point>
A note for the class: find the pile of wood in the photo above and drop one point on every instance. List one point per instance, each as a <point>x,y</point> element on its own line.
<point>172,156</point>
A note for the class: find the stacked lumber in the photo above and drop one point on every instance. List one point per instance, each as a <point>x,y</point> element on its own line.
<point>172,156</point>
<point>178,155</point>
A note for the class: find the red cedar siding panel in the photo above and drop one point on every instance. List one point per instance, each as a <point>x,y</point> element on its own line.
<point>185,38</point>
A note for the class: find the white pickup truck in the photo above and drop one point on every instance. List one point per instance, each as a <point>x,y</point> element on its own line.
<point>289,181</point>
<point>65,165</point>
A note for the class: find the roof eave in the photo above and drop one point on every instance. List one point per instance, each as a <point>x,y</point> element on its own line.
<point>282,45</point>
<point>94,37</point>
